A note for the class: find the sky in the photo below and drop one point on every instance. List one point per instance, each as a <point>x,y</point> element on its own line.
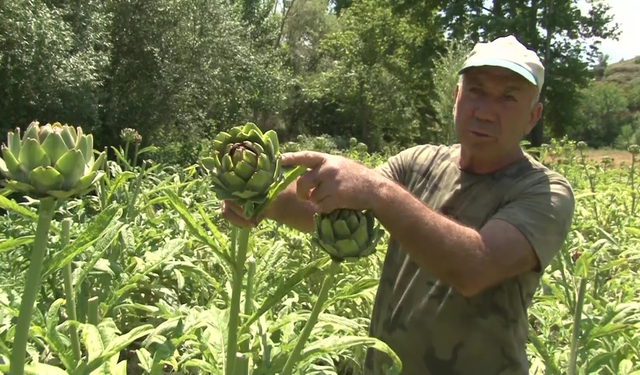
<point>627,14</point>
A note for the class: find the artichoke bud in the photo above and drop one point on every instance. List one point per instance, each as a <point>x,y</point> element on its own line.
<point>347,234</point>
<point>50,160</point>
<point>244,166</point>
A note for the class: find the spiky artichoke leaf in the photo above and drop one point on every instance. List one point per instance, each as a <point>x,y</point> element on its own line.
<point>32,155</point>
<point>14,142</point>
<point>260,181</point>
<point>347,248</point>
<point>54,146</point>
<point>44,179</point>
<point>86,181</point>
<point>245,171</point>
<point>12,164</point>
<point>232,182</point>
<point>3,169</point>
<point>68,135</point>
<point>71,166</point>
<point>361,234</point>
<point>271,138</point>
<point>209,163</point>
<point>326,231</point>
<point>81,145</point>
<point>98,163</point>
<point>31,132</point>
<point>341,230</point>
<point>19,186</point>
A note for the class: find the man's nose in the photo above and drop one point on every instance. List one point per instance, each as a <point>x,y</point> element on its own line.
<point>486,109</point>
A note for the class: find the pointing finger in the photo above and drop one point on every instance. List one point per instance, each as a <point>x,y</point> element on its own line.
<point>310,159</point>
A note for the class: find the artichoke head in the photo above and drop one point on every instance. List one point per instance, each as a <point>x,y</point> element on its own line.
<point>50,161</point>
<point>245,167</point>
<point>347,234</point>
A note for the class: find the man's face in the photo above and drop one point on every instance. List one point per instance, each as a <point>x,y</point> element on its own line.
<point>494,108</point>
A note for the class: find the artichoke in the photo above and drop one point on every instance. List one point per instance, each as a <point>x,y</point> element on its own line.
<point>245,167</point>
<point>347,234</point>
<point>50,161</point>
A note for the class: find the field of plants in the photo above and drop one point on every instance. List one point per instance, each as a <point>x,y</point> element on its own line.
<point>143,276</point>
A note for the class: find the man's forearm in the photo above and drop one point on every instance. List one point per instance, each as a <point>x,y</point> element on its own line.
<point>442,247</point>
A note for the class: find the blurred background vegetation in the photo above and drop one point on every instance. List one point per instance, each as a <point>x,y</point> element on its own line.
<point>382,71</point>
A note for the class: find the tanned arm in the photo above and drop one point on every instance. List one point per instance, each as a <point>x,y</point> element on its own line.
<point>468,260</point>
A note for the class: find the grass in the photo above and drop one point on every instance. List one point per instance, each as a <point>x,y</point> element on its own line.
<point>152,293</point>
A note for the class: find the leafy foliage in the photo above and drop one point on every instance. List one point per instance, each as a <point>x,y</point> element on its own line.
<point>150,277</point>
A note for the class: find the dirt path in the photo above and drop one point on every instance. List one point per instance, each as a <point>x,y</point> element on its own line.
<point>618,156</point>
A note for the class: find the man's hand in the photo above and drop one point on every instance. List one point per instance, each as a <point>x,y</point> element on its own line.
<point>334,181</point>
<point>233,212</point>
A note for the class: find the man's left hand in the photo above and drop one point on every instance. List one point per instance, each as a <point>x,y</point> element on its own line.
<point>334,181</point>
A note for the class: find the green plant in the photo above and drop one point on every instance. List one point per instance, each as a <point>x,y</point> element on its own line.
<point>50,163</point>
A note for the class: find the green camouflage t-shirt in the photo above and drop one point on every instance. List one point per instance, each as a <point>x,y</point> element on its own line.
<point>432,328</point>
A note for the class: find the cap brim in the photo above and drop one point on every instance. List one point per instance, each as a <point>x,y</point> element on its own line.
<point>502,64</point>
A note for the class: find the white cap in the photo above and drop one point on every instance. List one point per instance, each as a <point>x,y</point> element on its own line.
<point>507,52</point>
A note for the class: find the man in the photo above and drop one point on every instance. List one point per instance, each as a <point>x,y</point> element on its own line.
<point>472,225</point>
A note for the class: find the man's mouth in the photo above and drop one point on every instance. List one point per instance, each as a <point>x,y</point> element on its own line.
<point>478,134</point>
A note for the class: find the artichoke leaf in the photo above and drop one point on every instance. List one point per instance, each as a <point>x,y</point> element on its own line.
<point>71,166</point>
<point>244,170</point>
<point>14,142</point>
<point>55,147</point>
<point>361,234</point>
<point>98,163</point>
<point>270,138</point>
<point>232,182</point>
<point>227,162</point>
<point>260,181</point>
<point>326,231</point>
<point>32,155</point>
<point>13,165</point>
<point>68,137</point>
<point>31,132</point>
<point>45,179</point>
<point>209,163</point>
<point>347,248</point>
<point>18,186</point>
<point>341,230</point>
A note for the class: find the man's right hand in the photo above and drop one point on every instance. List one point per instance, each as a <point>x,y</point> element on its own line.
<point>233,212</point>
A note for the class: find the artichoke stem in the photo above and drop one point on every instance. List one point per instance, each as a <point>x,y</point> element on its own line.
<point>32,286</point>
<point>313,318</point>
<point>234,309</point>
<point>135,156</point>
<point>68,290</point>
<point>94,310</point>
<point>248,309</point>
<point>575,337</point>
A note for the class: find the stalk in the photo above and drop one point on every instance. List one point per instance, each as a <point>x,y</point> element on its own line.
<point>576,326</point>
<point>68,291</point>
<point>94,311</point>
<point>313,318</point>
<point>234,309</point>
<point>32,285</point>
<point>243,368</point>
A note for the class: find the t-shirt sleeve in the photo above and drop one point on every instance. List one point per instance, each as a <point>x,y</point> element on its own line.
<point>543,213</point>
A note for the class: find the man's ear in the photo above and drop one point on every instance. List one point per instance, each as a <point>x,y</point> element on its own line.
<point>536,113</point>
<point>455,96</point>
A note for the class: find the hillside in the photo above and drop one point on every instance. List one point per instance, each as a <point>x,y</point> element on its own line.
<point>624,72</point>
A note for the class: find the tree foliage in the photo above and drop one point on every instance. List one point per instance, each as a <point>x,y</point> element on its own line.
<point>379,70</point>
